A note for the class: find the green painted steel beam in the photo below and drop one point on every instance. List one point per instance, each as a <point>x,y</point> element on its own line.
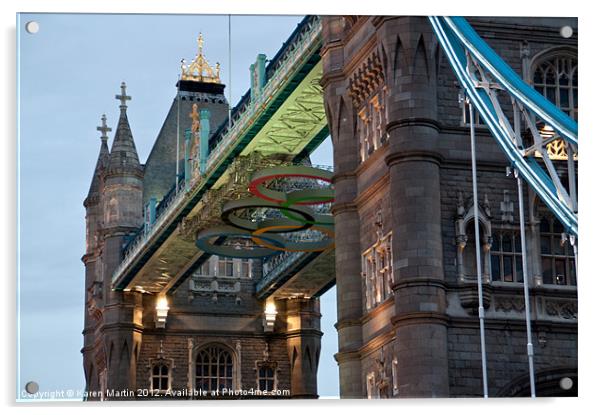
<point>216,172</point>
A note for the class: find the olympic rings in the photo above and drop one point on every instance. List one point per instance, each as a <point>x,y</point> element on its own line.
<point>230,251</point>
<point>297,246</point>
<point>257,188</point>
<point>229,217</point>
<point>264,233</point>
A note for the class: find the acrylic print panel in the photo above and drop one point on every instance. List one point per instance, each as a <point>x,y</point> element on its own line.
<point>177,207</point>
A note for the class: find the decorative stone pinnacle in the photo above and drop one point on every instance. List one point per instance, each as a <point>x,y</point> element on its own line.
<point>161,348</point>
<point>123,97</point>
<point>103,128</point>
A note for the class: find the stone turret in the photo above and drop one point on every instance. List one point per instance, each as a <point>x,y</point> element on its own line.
<point>385,106</point>
<point>123,216</point>
<point>93,202</point>
<point>413,164</point>
<point>91,259</point>
<point>123,179</point>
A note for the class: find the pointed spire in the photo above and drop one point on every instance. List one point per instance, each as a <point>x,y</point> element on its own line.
<point>103,156</point>
<point>123,151</point>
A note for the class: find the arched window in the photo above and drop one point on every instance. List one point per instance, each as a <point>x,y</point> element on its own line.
<point>160,377</point>
<point>555,77</point>
<point>557,257</point>
<point>214,369</point>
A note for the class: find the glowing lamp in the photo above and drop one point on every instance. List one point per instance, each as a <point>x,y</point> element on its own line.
<point>161,308</point>
<point>269,316</point>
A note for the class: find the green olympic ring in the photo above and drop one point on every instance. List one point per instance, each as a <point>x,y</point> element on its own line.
<point>314,195</point>
<point>284,225</point>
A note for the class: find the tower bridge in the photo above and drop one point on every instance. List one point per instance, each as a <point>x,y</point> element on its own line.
<point>285,118</point>
<point>415,286</point>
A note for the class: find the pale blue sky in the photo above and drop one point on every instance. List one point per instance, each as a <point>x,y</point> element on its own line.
<point>69,74</point>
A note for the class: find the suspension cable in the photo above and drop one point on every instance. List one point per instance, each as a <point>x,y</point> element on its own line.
<point>478,250</point>
<point>523,244</point>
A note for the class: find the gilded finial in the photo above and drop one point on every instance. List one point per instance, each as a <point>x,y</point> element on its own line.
<point>103,128</point>
<point>199,69</point>
<point>199,41</point>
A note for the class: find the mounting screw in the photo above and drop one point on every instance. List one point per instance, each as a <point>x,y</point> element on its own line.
<point>566,31</point>
<point>32,27</point>
<point>32,387</point>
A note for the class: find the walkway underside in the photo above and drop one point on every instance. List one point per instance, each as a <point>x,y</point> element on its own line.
<point>284,131</point>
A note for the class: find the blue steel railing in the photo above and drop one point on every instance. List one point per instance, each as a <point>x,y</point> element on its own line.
<point>483,74</point>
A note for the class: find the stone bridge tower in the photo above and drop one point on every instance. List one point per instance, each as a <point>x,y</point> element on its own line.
<point>214,332</point>
<point>381,103</point>
<point>112,334</point>
<point>405,276</point>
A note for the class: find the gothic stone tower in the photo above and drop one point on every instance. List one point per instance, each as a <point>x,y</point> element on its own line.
<point>405,258</point>
<point>112,332</point>
<point>215,335</point>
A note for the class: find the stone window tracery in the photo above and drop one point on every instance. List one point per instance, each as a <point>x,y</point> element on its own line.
<point>214,368</point>
<point>266,377</point>
<point>160,377</point>
<point>557,256</point>
<point>266,371</point>
<point>160,371</point>
<point>506,256</point>
<point>377,270</point>
<point>368,94</point>
<point>554,75</point>
<point>371,122</point>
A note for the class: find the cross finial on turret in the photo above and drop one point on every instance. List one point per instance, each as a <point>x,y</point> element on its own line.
<point>199,41</point>
<point>103,128</point>
<point>123,97</point>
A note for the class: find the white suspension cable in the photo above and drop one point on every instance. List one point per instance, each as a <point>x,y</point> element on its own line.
<point>523,244</point>
<point>478,250</point>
